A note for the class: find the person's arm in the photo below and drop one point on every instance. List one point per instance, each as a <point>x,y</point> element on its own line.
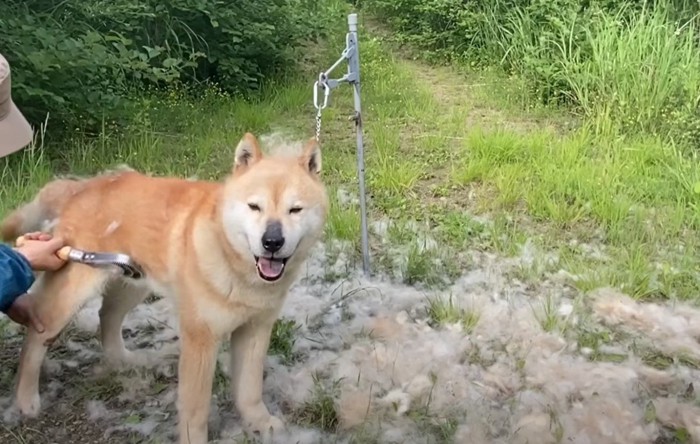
<point>16,276</point>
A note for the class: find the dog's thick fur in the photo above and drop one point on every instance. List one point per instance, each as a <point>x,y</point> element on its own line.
<point>198,243</point>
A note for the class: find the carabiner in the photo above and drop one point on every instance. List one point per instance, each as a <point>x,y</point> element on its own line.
<point>326,93</point>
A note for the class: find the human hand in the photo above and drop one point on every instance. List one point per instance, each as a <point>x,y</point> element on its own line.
<point>22,312</point>
<point>40,250</point>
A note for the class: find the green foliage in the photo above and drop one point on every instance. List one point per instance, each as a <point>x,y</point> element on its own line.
<point>78,60</point>
<point>627,66</point>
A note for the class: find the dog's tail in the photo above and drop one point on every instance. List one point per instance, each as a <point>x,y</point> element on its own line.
<point>40,214</point>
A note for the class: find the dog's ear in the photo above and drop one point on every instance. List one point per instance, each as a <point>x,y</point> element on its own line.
<point>247,153</point>
<point>311,157</point>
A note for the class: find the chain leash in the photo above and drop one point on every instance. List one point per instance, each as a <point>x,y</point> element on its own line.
<point>318,125</point>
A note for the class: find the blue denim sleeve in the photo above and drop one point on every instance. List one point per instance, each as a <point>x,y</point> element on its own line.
<point>15,276</point>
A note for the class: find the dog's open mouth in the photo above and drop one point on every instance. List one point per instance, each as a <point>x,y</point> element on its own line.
<point>270,268</point>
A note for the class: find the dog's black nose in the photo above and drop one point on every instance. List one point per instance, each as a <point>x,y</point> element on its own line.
<point>272,239</point>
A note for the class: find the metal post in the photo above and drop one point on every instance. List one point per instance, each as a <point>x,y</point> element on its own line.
<point>354,73</point>
<point>351,53</point>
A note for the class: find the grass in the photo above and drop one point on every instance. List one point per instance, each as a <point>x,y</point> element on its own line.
<point>617,185</point>
<point>320,411</point>
<point>446,311</point>
<point>283,339</point>
<point>593,338</point>
<point>547,315</point>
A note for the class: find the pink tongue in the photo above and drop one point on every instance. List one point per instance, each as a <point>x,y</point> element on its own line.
<point>270,268</point>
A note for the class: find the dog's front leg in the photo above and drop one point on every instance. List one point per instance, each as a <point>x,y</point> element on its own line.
<point>249,345</point>
<point>196,374</point>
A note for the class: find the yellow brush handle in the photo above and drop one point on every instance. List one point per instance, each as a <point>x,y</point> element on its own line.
<point>20,241</point>
<point>62,253</point>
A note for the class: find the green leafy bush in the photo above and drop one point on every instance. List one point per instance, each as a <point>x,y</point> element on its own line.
<point>78,60</point>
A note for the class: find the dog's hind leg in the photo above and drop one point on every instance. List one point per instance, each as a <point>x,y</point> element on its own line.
<point>57,296</point>
<point>119,298</point>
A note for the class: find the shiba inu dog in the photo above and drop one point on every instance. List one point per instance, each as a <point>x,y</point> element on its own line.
<point>225,253</point>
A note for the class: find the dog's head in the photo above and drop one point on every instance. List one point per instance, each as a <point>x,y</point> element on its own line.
<point>274,207</point>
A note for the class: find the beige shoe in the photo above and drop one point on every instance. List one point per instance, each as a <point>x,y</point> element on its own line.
<point>15,131</point>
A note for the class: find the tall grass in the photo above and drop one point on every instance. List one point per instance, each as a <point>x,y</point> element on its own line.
<point>644,76</point>
<point>626,66</point>
<point>635,74</point>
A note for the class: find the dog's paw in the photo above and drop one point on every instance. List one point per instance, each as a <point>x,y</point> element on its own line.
<point>29,406</point>
<point>119,358</point>
<point>269,429</point>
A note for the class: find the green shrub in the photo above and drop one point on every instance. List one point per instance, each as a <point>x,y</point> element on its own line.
<point>78,60</point>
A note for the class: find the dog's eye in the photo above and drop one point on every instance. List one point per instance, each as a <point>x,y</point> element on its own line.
<point>294,210</point>
<point>253,207</point>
